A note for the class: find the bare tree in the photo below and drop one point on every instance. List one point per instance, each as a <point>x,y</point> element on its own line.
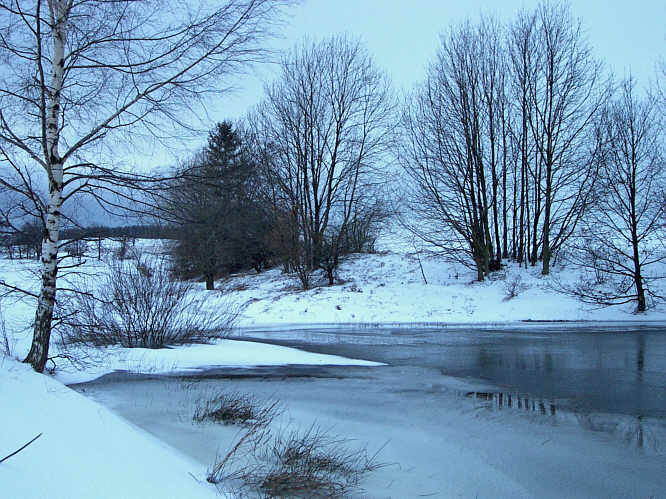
<point>521,49</point>
<point>327,121</point>
<point>82,78</point>
<point>623,235</point>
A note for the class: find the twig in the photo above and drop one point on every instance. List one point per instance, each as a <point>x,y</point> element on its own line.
<point>19,450</point>
<point>418,257</point>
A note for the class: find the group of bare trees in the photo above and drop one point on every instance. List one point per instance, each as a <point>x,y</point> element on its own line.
<point>513,145</point>
<point>500,138</point>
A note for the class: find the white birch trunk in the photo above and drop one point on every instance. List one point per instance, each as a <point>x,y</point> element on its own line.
<point>38,355</point>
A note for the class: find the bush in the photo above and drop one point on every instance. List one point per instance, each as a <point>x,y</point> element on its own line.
<point>513,286</point>
<point>311,463</point>
<point>235,408</point>
<point>292,463</point>
<point>139,305</point>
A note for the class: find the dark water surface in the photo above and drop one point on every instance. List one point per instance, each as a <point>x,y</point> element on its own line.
<point>614,369</point>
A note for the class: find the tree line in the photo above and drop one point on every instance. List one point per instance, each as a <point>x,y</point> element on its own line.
<point>518,145</point>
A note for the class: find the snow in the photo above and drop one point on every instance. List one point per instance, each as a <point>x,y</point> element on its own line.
<point>85,450</point>
<point>88,451</point>
<point>222,353</point>
<point>389,288</point>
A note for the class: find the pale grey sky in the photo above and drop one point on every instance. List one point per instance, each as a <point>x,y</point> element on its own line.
<point>403,36</point>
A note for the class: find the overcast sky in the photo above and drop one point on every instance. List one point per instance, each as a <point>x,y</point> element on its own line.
<point>403,35</point>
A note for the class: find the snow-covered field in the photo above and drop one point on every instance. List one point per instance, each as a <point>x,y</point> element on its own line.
<point>87,451</point>
<point>389,287</point>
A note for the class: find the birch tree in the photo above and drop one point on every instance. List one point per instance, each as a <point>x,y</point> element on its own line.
<point>81,79</point>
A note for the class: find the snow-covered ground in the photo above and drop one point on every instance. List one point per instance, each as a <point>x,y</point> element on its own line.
<point>84,450</point>
<point>389,287</point>
<point>87,451</point>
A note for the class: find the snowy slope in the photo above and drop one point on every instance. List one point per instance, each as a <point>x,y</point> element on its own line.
<point>84,450</point>
<point>390,287</point>
<point>87,451</point>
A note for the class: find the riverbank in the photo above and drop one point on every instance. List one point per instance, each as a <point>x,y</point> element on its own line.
<point>402,287</point>
<point>86,450</point>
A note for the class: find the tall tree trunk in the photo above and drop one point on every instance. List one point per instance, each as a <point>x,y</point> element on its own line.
<point>638,277</point>
<point>534,255</point>
<point>505,229</point>
<point>638,280</point>
<point>39,349</point>
<point>546,252</point>
<point>53,164</point>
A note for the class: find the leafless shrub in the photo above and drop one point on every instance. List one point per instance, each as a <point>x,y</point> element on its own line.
<point>305,275</point>
<point>236,408</point>
<point>611,291</point>
<point>311,463</point>
<point>513,286</point>
<point>5,346</point>
<point>227,468</point>
<point>138,304</point>
<point>296,463</point>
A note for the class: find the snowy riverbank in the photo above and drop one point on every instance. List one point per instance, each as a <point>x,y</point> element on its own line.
<point>86,450</point>
<point>400,287</point>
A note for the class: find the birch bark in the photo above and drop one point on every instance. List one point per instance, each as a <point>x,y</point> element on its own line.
<point>38,355</point>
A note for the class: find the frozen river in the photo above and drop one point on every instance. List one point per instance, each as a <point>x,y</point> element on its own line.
<point>618,369</point>
<point>491,412</point>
